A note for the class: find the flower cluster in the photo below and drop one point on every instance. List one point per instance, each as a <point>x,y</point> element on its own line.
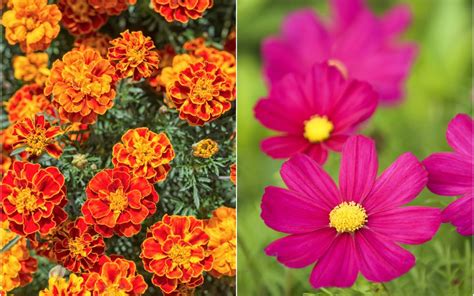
<point>97,41</point>
<point>80,18</point>
<point>114,7</point>
<point>181,11</point>
<point>26,102</point>
<point>32,67</point>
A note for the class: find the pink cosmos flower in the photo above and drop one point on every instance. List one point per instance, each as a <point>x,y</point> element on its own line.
<point>362,46</point>
<point>451,174</point>
<point>316,112</point>
<point>357,227</point>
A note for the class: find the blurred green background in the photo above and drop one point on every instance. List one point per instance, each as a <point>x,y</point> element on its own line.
<point>438,88</point>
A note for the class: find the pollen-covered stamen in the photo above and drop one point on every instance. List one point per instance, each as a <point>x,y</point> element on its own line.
<point>180,254</point>
<point>77,247</point>
<point>317,129</point>
<point>25,200</point>
<point>118,201</point>
<point>37,142</point>
<point>347,217</point>
<point>202,90</point>
<point>340,66</point>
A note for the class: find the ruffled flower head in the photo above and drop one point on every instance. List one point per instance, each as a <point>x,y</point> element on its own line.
<point>111,7</point>
<point>146,153</point>
<point>80,18</point>
<point>32,199</point>
<point>314,113</point>
<point>118,202</point>
<point>181,11</point>
<point>205,148</point>
<point>133,55</point>
<point>451,173</point>
<point>175,251</point>
<point>26,102</point>
<point>59,286</point>
<point>356,227</point>
<point>33,24</point>
<point>82,85</point>
<point>358,43</point>
<point>32,67</point>
<point>97,41</point>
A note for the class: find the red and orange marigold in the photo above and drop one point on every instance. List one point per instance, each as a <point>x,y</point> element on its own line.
<point>78,247</point>
<point>175,251</point>
<point>201,92</point>
<point>32,68</point>
<point>59,286</point>
<point>97,41</point>
<point>80,18</point>
<point>183,10</point>
<point>32,198</point>
<point>37,135</point>
<point>222,231</point>
<point>82,85</point>
<point>16,264</point>
<point>111,7</point>
<point>133,55</point>
<point>26,102</point>
<point>115,277</point>
<point>33,24</point>
<point>118,202</point>
<point>146,153</point>
<point>233,173</point>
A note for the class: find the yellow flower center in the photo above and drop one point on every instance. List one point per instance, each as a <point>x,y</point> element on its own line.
<point>25,201</point>
<point>135,56</point>
<point>36,142</point>
<point>202,89</point>
<point>340,66</point>
<point>180,255</point>
<point>143,152</point>
<point>76,246</point>
<point>118,201</point>
<point>317,129</point>
<point>347,217</point>
<point>114,290</point>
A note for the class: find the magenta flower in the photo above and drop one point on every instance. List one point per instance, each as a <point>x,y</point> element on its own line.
<point>451,174</point>
<point>357,227</point>
<point>356,41</point>
<point>316,112</point>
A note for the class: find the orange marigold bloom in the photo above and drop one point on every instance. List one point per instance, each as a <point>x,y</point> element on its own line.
<point>201,93</point>
<point>83,86</point>
<point>28,101</point>
<point>182,10</point>
<point>233,173</point>
<point>32,68</point>
<point>221,229</point>
<point>133,55</point>
<point>118,201</point>
<point>116,277</point>
<point>80,18</point>
<point>32,198</point>
<point>205,148</point>
<point>223,59</point>
<point>78,246</point>
<point>58,286</point>
<point>37,135</point>
<point>97,41</point>
<point>31,23</point>
<point>166,54</point>
<point>16,264</point>
<point>175,251</point>
<point>146,153</point>
<point>111,7</point>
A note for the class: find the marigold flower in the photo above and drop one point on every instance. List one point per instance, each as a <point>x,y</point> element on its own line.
<point>201,92</point>
<point>111,7</point>
<point>16,264</point>
<point>357,227</point>
<point>32,67</point>
<point>222,232</point>
<point>32,198</point>
<point>146,153</point>
<point>26,102</point>
<point>97,41</point>
<point>181,11</point>
<point>133,55</point>
<point>223,59</point>
<point>380,59</point>
<point>175,251</point>
<point>59,286</point>
<point>37,135</point>
<point>31,23</point>
<point>116,277</point>
<point>83,86</point>
<point>118,202</point>
<point>80,18</point>
<point>205,148</point>
<point>233,173</point>
<point>78,246</point>
<point>451,173</point>
<point>309,124</point>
